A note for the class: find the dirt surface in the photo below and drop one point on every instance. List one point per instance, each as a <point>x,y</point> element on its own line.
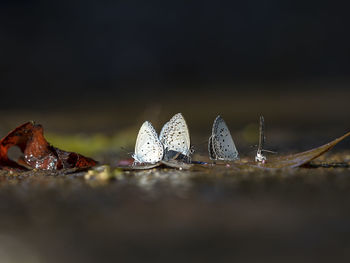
<point>166,215</point>
<point>170,216</point>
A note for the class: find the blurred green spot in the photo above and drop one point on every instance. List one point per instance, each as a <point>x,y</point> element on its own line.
<point>93,144</point>
<point>250,133</point>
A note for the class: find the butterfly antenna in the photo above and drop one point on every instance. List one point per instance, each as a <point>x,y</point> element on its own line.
<point>268,151</point>
<point>253,147</point>
<point>126,151</point>
<point>202,143</point>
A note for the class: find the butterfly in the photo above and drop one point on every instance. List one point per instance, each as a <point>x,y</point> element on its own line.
<point>175,138</point>
<point>173,142</point>
<point>221,145</point>
<point>148,148</point>
<point>259,156</point>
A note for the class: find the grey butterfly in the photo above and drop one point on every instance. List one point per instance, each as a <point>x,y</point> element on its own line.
<point>221,145</point>
<point>148,148</point>
<point>259,155</point>
<point>175,138</point>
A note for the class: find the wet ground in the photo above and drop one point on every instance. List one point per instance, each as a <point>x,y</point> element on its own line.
<point>166,215</point>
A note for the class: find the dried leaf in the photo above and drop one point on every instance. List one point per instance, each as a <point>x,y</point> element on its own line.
<point>38,153</point>
<point>294,160</point>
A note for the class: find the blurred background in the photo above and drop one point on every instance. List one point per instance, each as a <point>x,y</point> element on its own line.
<point>99,66</point>
<point>92,71</point>
<point>79,49</point>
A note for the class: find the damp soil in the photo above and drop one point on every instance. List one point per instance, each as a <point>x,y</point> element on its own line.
<point>167,215</point>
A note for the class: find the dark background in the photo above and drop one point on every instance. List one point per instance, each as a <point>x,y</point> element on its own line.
<point>54,52</point>
<point>99,66</point>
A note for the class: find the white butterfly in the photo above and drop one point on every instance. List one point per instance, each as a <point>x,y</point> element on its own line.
<point>148,148</point>
<point>175,137</point>
<point>221,145</point>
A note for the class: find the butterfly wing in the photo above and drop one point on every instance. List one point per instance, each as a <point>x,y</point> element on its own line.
<point>175,135</point>
<point>212,154</point>
<point>221,145</point>
<point>261,134</point>
<point>148,148</point>
<point>259,155</point>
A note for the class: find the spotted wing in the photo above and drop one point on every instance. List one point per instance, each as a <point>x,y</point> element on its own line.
<point>175,135</point>
<point>148,148</point>
<point>221,145</point>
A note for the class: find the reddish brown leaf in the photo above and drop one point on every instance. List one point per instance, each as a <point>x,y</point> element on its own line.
<point>38,153</point>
